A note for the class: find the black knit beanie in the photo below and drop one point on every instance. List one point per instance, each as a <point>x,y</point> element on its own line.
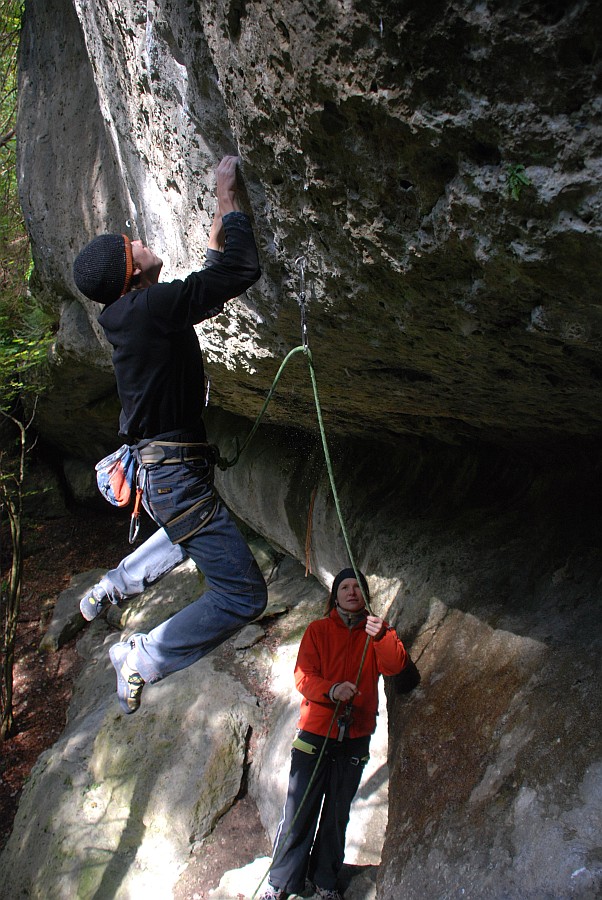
<point>103,269</point>
<point>343,574</point>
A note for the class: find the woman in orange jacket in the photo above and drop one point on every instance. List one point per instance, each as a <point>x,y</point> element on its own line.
<point>340,710</point>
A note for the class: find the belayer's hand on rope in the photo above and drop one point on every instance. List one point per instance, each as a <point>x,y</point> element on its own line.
<point>344,691</point>
<point>375,627</point>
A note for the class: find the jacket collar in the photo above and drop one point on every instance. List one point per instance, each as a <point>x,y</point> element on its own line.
<point>349,620</point>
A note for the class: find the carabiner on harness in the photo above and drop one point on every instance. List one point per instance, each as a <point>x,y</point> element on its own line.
<point>135,519</point>
<point>344,721</point>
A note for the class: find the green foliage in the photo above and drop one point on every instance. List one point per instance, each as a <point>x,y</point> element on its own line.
<point>24,327</point>
<point>24,336</point>
<point>517,180</point>
<point>22,364</point>
<point>13,249</point>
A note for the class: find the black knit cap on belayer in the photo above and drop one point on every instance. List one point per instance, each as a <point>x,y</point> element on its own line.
<point>103,269</point>
<point>344,574</point>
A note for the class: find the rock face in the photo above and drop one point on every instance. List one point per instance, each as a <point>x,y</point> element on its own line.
<point>438,168</point>
<point>114,808</point>
<point>495,572</point>
<point>115,798</point>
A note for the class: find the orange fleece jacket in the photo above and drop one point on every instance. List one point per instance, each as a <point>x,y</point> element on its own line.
<point>331,652</point>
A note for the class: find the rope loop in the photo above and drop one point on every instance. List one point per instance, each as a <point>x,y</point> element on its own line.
<point>228,463</point>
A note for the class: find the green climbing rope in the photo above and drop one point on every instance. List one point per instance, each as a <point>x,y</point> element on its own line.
<point>331,474</point>
<point>303,799</point>
<point>227,463</point>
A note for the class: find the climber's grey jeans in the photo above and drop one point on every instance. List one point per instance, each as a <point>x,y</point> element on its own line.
<point>236,592</point>
<point>146,564</point>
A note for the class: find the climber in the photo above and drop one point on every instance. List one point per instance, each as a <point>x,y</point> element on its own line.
<point>159,373</point>
<point>326,672</point>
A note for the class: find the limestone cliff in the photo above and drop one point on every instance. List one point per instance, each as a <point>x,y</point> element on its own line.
<point>438,168</point>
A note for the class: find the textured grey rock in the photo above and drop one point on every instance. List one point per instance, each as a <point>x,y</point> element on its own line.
<point>494,574</point>
<point>67,621</point>
<point>248,637</point>
<point>81,482</point>
<point>381,144</point>
<point>113,808</point>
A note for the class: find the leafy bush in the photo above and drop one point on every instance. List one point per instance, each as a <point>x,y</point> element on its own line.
<point>24,338</point>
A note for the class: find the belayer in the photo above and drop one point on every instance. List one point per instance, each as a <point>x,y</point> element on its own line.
<point>160,380</point>
<point>310,841</point>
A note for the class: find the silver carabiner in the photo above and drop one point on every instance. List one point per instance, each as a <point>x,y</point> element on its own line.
<point>301,262</point>
<point>135,518</point>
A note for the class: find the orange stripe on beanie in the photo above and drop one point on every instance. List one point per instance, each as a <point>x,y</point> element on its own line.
<point>129,264</point>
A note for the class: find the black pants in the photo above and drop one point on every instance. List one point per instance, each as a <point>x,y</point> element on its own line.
<point>305,852</point>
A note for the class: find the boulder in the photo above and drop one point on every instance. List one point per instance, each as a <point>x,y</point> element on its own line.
<point>427,176</point>
<point>438,171</point>
<point>116,806</point>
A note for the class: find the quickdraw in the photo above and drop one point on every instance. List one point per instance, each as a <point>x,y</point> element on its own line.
<point>301,262</point>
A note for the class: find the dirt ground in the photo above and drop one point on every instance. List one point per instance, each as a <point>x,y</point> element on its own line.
<point>55,550</point>
<point>237,840</point>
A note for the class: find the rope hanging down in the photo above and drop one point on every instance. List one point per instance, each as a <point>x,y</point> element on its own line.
<point>224,464</point>
<point>303,348</point>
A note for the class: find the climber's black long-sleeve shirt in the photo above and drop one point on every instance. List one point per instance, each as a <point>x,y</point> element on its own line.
<point>156,355</point>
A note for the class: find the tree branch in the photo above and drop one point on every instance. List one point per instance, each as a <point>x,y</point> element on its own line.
<point>7,137</point>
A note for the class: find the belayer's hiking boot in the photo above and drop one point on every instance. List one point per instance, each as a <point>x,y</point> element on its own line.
<point>94,602</point>
<point>129,682</point>
<point>272,893</point>
<point>326,894</point>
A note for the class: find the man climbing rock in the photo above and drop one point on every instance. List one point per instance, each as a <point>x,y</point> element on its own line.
<point>160,379</point>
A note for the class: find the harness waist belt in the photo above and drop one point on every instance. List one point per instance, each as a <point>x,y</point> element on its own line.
<point>172,452</point>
